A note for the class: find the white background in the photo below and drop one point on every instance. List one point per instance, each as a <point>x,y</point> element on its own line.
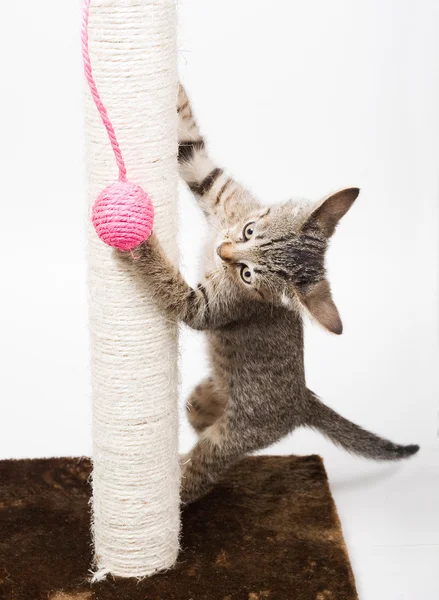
<point>296,99</point>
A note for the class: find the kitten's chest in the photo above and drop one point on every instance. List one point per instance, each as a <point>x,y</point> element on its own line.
<point>258,354</point>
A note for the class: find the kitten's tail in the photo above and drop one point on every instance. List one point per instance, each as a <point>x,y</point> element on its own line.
<point>351,437</point>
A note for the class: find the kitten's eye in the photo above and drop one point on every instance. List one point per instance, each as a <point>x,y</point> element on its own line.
<point>246,274</point>
<point>248,230</point>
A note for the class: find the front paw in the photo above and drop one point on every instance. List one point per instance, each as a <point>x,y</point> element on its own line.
<point>121,255</point>
<point>133,254</point>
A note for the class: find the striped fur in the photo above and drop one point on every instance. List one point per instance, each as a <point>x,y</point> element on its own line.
<point>263,266</point>
<point>212,186</point>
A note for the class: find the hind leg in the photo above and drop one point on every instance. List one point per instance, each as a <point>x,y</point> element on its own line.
<point>218,448</point>
<point>205,405</point>
<point>213,454</point>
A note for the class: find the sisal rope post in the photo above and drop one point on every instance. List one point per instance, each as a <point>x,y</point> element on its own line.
<point>136,519</point>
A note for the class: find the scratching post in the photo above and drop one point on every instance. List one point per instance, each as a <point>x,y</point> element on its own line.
<point>135,477</point>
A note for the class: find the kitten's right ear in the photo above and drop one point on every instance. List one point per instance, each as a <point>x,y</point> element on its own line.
<point>329,213</point>
<point>319,303</point>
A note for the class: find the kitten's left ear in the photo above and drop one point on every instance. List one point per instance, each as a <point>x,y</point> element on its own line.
<point>329,213</point>
<point>318,301</point>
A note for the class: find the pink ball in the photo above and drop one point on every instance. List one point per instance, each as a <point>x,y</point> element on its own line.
<point>123,215</point>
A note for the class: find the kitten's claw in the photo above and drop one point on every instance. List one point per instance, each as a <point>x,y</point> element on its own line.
<point>184,459</point>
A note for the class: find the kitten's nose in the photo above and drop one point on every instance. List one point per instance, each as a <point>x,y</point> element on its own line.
<point>225,251</point>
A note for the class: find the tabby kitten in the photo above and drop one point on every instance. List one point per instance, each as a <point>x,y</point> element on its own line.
<point>264,265</point>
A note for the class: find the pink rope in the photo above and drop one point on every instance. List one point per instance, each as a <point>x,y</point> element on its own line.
<point>95,94</point>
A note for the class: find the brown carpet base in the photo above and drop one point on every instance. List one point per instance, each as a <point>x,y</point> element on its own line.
<point>269,531</point>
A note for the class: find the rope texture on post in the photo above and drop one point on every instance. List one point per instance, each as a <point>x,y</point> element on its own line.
<point>136,476</point>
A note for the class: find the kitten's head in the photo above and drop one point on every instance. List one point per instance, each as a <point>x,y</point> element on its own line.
<point>277,255</point>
